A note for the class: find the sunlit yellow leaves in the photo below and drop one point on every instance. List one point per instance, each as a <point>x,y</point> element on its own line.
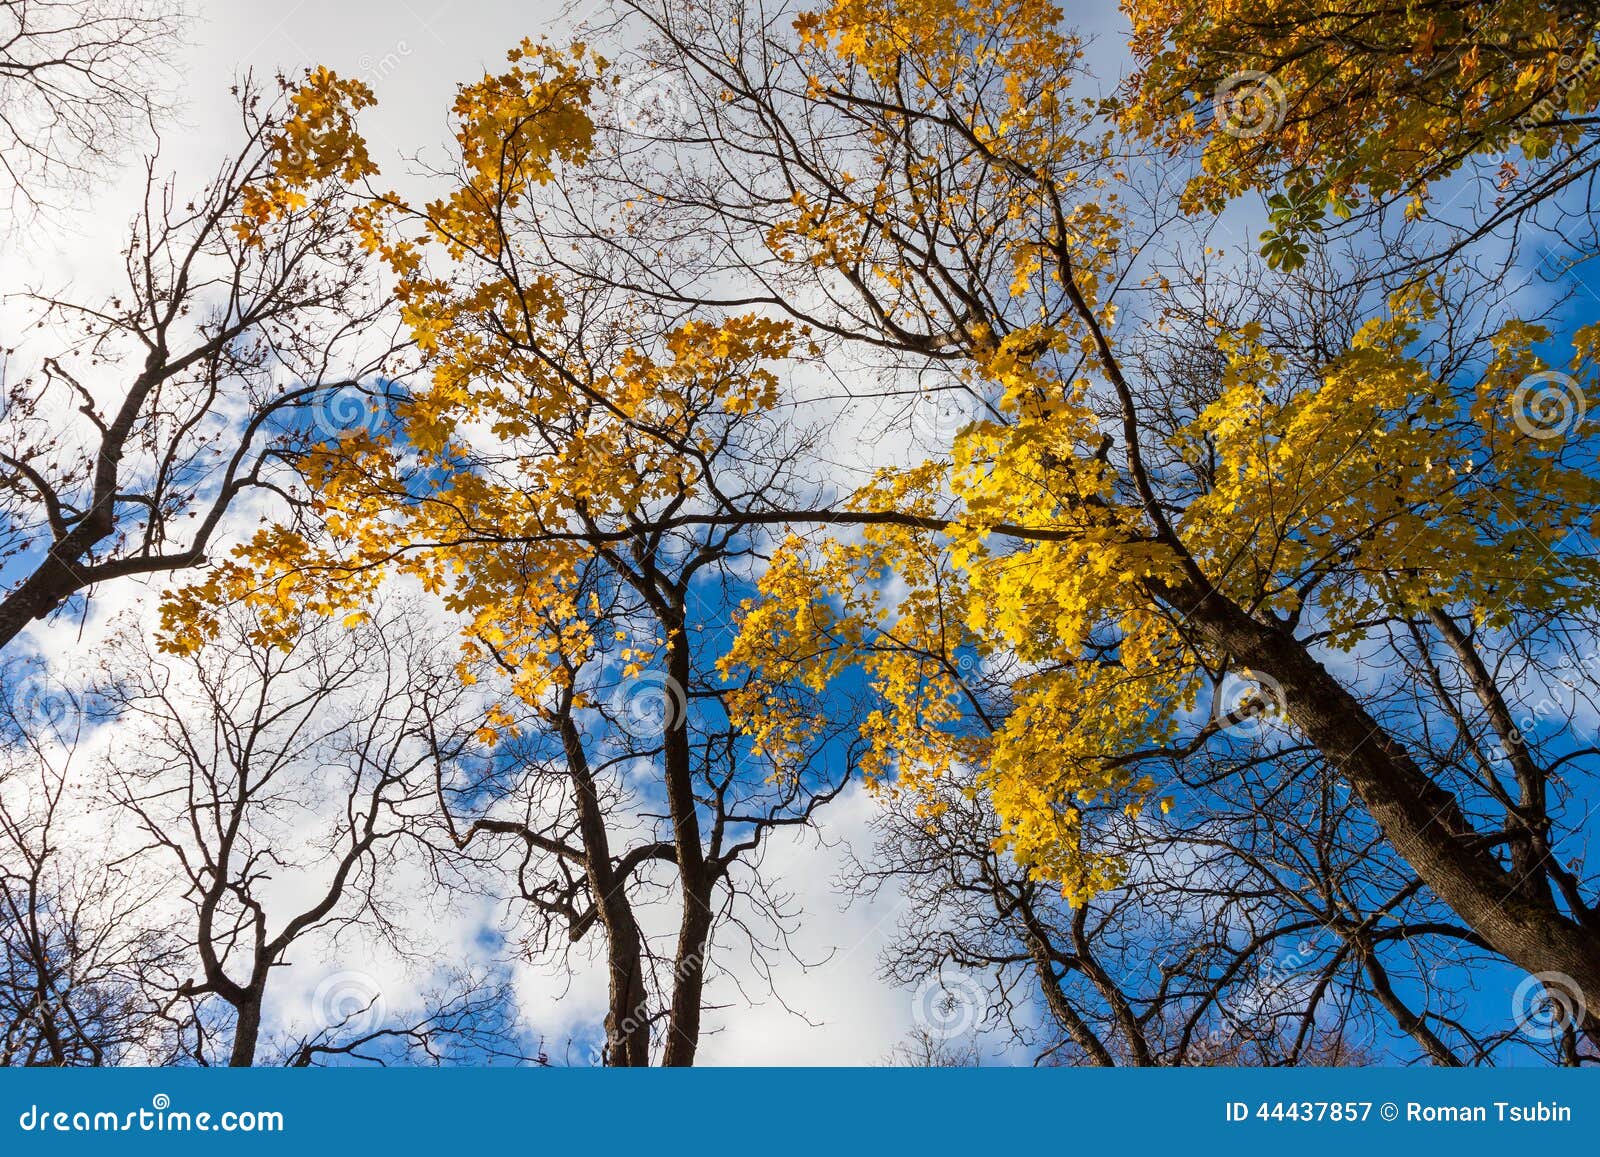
<point>1376,491</point>
<point>320,140</point>
<point>1360,99</point>
<point>932,44</point>
<point>317,142</point>
<point>512,129</point>
<point>521,454</point>
<point>964,128</point>
<point>1380,478</point>
<point>1007,608</point>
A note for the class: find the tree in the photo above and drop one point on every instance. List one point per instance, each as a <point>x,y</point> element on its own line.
<point>1355,525</point>
<point>83,959</point>
<point>78,80</point>
<point>1262,922</point>
<point>245,329</point>
<point>278,786</point>
<point>537,481</point>
<point>1341,110</point>
<point>921,178</point>
<point>1262,919</point>
<point>621,790</point>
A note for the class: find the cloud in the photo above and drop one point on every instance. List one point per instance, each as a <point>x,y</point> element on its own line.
<point>827,1004</point>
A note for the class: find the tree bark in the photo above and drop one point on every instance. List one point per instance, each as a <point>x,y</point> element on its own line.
<point>246,1033</point>
<point>628,1013</point>
<point>695,876</point>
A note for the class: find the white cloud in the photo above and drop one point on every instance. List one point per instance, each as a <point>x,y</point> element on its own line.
<point>827,1004</point>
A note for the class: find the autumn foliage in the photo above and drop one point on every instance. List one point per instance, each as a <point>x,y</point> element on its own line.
<point>1053,597</point>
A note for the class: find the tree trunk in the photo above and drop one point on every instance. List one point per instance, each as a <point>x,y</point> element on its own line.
<point>688,975</point>
<point>628,1011</point>
<point>695,875</point>
<point>246,1032</point>
<point>1421,819</point>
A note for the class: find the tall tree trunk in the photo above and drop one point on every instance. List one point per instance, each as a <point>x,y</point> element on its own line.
<point>627,1011</point>
<point>246,1032</point>
<point>696,877</point>
<point>1422,820</point>
<point>688,975</point>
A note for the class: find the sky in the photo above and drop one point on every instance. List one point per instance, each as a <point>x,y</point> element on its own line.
<point>825,1002</point>
<point>822,1001</point>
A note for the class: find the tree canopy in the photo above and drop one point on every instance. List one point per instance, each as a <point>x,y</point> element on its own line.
<point>1309,504</point>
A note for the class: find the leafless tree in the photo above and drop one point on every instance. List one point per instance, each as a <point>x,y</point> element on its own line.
<point>82,956</point>
<point>79,81</point>
<point>277,784</point>
<point>1263,922</point>
<point>468,1018</point>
